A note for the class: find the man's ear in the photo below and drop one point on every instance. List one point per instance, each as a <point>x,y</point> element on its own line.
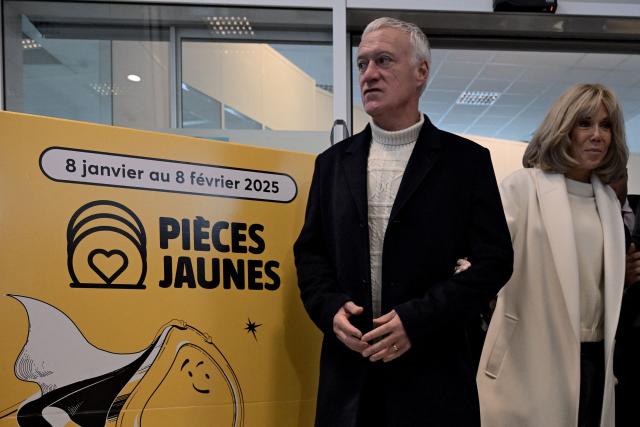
<point>422,73</point>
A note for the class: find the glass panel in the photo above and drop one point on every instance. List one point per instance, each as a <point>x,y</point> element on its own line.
<point>236,120</point>
<point>238,70</point>
<point>505,94</point>
<point>199,110</point>
<point>276,86</point>
<point>105,64</point>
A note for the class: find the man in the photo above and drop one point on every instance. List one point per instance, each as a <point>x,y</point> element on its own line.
<point>632,276</point>
<point>627,352</point>
<point>390,211</point>
<point>628,217</point>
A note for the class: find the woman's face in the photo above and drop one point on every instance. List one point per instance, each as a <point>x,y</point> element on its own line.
<point>590,140</point>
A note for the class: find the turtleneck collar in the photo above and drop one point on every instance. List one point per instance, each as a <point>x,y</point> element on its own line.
<point>578,188</point>
<point>399,137</point>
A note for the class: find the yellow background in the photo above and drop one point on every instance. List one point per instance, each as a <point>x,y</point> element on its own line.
<point>277,373</point>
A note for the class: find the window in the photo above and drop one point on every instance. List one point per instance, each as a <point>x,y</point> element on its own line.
<point>214,72</point>
<point>106,65</point>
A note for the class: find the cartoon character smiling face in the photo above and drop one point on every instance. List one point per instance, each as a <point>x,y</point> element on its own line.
<point>199,373</point>
<point>198,388</point>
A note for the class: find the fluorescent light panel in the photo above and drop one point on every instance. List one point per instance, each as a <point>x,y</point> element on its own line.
<point>230,25</point>
<point>30,44</point>
<point>477,98</point>
<point>105,89</point>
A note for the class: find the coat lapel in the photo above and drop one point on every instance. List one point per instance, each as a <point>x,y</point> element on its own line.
<point>556,216</point>
<point>424,155</point>
<point>614,257</point>
<point>354,166</point>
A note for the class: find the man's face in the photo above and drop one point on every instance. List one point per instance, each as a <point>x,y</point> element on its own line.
<point>390,76</point>
<point>620,187</point>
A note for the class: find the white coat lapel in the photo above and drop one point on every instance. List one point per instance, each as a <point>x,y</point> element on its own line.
<point>614,265</point>
<point>614,256</point>
<point>556,216</point>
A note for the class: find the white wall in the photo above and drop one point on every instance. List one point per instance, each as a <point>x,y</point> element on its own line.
<point>144,104</point>
<point>259,82</point>
<point>505,155</point>
<point>634,174</point>
<point>324,109</point>
<point>507,158</point>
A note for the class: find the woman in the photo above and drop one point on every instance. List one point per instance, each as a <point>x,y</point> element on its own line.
<point>548,356</point>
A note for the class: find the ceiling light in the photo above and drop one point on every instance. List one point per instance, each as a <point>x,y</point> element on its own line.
<point>478,98</point>
<point>225,25</point>
<point>134,77</point>
<point>105,89</point>
<point>30,44</point>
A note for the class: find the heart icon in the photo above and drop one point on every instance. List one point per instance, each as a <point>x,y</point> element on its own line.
<point>104,262</point>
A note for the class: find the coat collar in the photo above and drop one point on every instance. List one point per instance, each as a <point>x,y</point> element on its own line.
<point>556,214</point>
<point>421,161</point>
<point>614,258</point>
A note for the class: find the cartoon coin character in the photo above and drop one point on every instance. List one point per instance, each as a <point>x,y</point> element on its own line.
<point>181,378</point>
<point>192,377</point>
<point>198,388</point>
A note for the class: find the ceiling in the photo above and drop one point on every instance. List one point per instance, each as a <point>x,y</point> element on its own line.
<point>527,83</point>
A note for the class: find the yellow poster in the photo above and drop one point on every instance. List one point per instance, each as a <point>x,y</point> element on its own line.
<point>148,280</point>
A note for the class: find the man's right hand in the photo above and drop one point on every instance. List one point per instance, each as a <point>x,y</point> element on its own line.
<point>348,334</point>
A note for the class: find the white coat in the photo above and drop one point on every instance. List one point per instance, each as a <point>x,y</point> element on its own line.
<point>529,373</point>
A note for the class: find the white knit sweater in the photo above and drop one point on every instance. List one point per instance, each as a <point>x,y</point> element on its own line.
<point>388,158</point>
<point>590,246</point>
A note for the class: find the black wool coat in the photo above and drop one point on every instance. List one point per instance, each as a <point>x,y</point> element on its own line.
<point>447,207</point>
<point>626,359</point>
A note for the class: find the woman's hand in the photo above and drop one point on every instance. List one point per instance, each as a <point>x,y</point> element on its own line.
<point>461,265</point>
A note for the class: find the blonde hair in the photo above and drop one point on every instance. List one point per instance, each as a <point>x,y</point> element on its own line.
<point>549,149</point>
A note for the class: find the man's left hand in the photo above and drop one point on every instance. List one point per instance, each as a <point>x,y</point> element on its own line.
<point>394,341</point>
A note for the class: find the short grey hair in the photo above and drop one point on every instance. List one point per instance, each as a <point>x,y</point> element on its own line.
<point>419,41</point>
